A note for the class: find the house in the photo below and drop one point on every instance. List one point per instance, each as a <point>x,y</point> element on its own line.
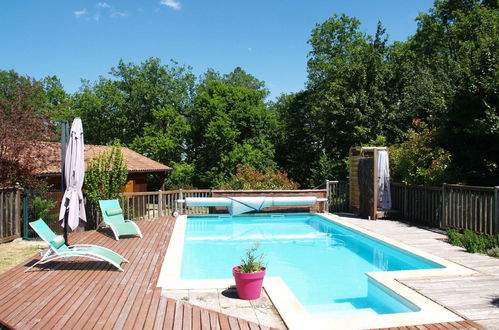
<point>139,166</point>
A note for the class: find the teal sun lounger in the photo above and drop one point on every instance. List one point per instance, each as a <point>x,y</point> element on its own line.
<point>113,217</point>
<point>58,248</point>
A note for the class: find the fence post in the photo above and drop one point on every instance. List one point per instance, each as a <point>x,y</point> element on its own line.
<point>25,215</point>
<point>404,208</point>
<point>443,220</point>
<point>160,203</point>
<point>327,196</point>
<point>495,215</point>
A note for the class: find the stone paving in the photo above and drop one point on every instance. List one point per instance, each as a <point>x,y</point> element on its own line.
<point>226,301</point>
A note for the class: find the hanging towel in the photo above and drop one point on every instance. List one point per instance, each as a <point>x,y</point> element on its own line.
<point>384,194</point>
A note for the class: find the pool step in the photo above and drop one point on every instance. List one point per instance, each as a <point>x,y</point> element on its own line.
<point>338,310</point>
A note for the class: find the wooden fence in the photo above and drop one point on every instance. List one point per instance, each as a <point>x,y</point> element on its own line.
<point>337,196</point>
<point>458,206</point>
<point>10,214</point>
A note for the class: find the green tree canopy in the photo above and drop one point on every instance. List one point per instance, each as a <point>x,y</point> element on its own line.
<point>229,125</point>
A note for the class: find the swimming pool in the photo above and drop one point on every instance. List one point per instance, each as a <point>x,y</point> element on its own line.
<point>323,263</point>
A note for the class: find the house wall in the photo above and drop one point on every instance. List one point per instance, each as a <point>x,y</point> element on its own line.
<point>136,182</point>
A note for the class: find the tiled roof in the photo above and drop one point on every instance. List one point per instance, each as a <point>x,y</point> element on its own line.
<point>50,162</point>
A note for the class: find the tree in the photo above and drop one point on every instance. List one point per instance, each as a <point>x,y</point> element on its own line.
<point>23,126</point>
<point>141,105</point>
<point>229,125</point>
<point>456,43</point>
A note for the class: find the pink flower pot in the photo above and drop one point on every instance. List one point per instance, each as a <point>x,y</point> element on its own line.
<point>248,285</point>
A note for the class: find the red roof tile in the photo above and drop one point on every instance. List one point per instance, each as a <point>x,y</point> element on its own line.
<point>50,163</point>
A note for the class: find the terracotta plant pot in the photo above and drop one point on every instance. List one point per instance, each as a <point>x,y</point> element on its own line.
<point>248,285</point>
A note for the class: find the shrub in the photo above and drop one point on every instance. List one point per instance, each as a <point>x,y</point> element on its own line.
<point>494,252</point>
<point>181,177</point>
<point>419,160</point>
<point>248,178</point>
<point>454,237</point>
<point>473,242</point>
<point>105,175</point>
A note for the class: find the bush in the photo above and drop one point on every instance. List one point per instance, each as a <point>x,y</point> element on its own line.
<point>105,175</point>
<point>181,177</point>
<point>248,178</point>
<point>473,242</point>
<point>419,160</point>
<point>494,252</point>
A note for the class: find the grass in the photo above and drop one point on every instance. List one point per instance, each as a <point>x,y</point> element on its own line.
<point>13,253</point>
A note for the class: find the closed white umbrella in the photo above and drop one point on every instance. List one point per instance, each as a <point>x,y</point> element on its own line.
<point>74,172</point>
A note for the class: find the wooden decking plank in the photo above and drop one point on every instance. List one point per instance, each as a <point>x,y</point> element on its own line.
<point>119,318</point>
<point>85,289</point>
<point>179,316</point>
<point>94,312</point>
<point>114,303</point>
<point>234,325</point>
<point>187,317</point>
<point>22,300</point>
<point>80,278</point>
<point>146,321</point>
<point>68,295</point>
<point>205,319</point>
<point>135,302</point>
<point>170,314</point>
<point>224,322</point>
<point>243,324</point>
<point>214,320</point>
<point>196,318</point>
<point>254,326</point>
<point>95,304</point>
<point>161,313</point>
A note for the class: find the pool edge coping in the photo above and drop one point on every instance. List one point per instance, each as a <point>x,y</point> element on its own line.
<point>294,314</point>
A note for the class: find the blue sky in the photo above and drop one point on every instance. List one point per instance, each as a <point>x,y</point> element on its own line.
<point>76,39</point>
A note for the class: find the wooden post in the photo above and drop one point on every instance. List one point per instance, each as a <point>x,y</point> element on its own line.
<point>160,203</point>
<point>327,196</point>
<point>495,216</point>
<point>443,216</point>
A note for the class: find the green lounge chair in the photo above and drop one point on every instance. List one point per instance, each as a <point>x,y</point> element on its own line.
<point>113,217</point>
<point>59,249</point>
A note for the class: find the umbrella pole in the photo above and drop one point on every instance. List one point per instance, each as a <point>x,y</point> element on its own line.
<point>66,228</point>
<point>64,141</point>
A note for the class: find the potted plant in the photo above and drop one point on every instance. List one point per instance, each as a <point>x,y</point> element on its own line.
<point>249,274</point>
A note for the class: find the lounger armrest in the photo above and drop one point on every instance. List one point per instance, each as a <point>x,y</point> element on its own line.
<point>136,227</point>
<point>76,246</point>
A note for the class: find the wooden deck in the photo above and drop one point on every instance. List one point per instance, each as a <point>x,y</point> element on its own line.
<point>79,293</point>
<point>87,294</point>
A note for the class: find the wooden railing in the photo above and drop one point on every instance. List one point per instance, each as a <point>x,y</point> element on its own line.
<point>147,205</point>
<point>10,214</point>
<point>337,196</point>
<point>420,204</point>
<point>473,208</point>
<point>458,206</point>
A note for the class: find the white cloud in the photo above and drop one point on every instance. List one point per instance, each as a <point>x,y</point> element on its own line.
<point>103,5</point>
<point>79,13</point>
<point>96,17</point>
<point>171,3</point>
<point>119,14</point>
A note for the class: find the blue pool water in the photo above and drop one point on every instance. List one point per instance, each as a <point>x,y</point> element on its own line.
<point>322,262</point>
